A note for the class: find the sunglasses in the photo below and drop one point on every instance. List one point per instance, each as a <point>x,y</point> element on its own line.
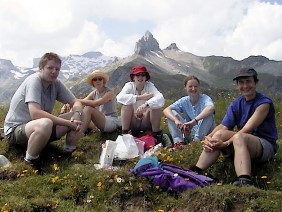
<point>97,79</point>
<point>141,74</point>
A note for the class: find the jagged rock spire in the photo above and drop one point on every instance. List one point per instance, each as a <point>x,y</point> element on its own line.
<point>146,44</point>
<point>172,47</point>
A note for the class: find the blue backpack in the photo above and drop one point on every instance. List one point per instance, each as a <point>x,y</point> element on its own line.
<point>169,177</point>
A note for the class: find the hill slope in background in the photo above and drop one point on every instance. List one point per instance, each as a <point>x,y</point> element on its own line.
<point>167,68</point>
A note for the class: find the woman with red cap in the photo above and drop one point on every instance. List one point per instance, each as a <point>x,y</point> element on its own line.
<point>141,104</point>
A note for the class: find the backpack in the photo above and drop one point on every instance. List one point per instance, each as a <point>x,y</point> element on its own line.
<point>173,178</point>
<point>144,164</point>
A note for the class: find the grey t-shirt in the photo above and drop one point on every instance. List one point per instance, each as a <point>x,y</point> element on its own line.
<point>32,90</point>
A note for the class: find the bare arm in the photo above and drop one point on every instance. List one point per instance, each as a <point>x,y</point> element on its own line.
<point>36,113</point>
<point>88,101</point>
<point>256,119</point>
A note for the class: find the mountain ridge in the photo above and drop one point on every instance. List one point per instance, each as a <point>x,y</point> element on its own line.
<point>167,67</point>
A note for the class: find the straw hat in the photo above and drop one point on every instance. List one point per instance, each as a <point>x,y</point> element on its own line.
<point>97,74</point>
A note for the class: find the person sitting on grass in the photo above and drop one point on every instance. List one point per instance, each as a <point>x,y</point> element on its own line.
<point>192,116</point>
<point>141,104</point>
<point>256,137</point>
<point>30,122</point>
<point>100,104</point>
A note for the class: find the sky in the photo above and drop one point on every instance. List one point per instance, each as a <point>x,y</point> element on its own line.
<point>231,28</point>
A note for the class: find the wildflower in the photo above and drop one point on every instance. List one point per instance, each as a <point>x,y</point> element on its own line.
<point>55,167</point>
<point>99,184</point>
<point>219,184</point>
<point>119,180</point>
<point>263,177</point>
<point>54,179</point>
<point>268,182</point>
<point>89,200</point>
<point>160,210</point>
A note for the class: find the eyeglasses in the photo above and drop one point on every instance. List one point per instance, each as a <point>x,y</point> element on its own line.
<point>141,74</point>
<point>97,79</point>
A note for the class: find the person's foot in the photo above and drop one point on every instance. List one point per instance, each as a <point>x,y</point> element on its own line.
<point>179,145</point>
<point>241,181</point>
<point>166,141</point>
<point>35,164</point>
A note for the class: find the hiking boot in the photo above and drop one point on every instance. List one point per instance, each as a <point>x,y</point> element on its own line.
<point>166,141</point>
<point>178,145</point>
<point>159,136</point>
<point>35,164</point>
<point>241,181</point>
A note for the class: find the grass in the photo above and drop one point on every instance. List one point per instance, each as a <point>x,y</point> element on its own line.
<point>73,184</point>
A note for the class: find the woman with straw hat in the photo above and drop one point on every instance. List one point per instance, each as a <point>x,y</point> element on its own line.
<point>101,103</point>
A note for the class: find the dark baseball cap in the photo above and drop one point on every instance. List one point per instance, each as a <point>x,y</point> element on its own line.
<point>246,72</point>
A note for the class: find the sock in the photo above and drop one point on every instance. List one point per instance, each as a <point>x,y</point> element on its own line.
<point>245,176</point>
<point>196,169</point>
<point>30,157</point>
<point>69,148</point>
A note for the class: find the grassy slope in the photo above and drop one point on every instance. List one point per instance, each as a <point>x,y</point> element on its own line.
<point>74,185</point>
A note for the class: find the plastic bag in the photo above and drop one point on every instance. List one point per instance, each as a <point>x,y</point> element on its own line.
<point>126,147</point>
<point>107,155</point>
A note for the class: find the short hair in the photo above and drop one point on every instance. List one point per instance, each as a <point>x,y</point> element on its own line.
<point>190,78</point>
<point>47,57</point>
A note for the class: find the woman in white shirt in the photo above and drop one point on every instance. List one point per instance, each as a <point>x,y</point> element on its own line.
<point>141,104</point>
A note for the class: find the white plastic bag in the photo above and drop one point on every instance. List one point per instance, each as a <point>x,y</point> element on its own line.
<point>107,155</point>
<point>4,162</point>
<point>126,147</point>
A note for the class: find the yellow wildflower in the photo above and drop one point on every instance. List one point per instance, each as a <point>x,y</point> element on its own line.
<point>99,184</point>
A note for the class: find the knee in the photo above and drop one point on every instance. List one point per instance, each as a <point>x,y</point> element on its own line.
<point>218,134</point>
<point>239,140</point>
<point>45,125</point>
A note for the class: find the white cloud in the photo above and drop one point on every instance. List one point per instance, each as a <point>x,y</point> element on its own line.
<point>236,28</point>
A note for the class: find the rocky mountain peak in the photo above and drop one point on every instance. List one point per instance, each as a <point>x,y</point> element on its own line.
<point>172,47</point>
<point>146,44</point>
<point>5,64</point>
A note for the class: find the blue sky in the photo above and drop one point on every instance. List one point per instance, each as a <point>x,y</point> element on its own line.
<point>234,28</point>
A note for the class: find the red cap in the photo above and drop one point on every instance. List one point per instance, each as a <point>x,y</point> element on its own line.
<point>139,69</point>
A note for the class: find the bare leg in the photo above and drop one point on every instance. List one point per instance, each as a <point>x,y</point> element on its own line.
<point>38,133</point>
<point>127,113</point>
<point>155,119</point>
<point>246,146</point>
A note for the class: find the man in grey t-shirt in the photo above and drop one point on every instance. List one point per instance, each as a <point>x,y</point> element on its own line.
<point>29,121</point>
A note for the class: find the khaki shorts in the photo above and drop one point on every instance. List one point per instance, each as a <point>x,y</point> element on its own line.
<point>19,137</point>
<point>112,123</point>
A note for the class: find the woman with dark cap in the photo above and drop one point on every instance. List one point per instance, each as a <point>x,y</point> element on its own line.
<point>254,139</point>
<point>141,104</point>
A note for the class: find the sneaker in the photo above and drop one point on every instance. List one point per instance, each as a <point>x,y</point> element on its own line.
<point>243,182</point>
<point>35,164</point>
<point>159,136</point>
<point>178,145</point>
<point>166,141</point>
